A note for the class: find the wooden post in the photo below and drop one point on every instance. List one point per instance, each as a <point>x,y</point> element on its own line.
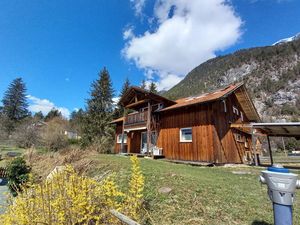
<point>254,146</point>
<point>270,150</point>
<point>123,218</point>
<point>148,128</point>
<point>122,142</point>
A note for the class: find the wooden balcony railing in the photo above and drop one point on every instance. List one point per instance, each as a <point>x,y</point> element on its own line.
<point>136,118</point>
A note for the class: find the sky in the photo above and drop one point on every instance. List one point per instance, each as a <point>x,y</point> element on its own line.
<point>58,47</point>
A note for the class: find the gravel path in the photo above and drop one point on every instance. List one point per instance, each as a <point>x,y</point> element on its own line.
<point>3,194</point>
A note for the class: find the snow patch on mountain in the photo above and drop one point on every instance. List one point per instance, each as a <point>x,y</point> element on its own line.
<point>289,39</point>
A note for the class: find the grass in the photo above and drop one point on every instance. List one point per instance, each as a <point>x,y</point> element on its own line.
<point>4,149</point>
<point>200,195</point>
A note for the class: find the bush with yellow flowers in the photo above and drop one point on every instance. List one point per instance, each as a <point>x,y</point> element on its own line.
<point>67,198</point>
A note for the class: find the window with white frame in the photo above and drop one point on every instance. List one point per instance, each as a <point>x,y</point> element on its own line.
<point>186,134</point>
<point>119,138</point>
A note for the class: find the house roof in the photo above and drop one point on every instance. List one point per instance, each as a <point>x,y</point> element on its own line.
<point>142,97</point>
<point>206,97</point>
<point>238,89</point>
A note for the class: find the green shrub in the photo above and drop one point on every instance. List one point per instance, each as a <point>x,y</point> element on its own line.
<point>18,174</point>
<point>74,142</point>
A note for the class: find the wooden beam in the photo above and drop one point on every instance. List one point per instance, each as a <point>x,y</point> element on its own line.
<point>123,124</point>
<point>270,150</point>
<point>240,125</point>
<point>123,218</point>
<point>136,103</point>
<point>148,127</point>
<point>286,130</point>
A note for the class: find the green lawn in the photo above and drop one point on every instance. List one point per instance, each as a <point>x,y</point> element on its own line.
<point>200,195</point>
<point>4,149</point>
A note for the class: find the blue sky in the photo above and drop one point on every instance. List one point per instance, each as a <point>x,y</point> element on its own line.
<point>58,46</point>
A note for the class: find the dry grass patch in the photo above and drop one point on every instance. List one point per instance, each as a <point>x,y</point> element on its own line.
<point>43,163</point>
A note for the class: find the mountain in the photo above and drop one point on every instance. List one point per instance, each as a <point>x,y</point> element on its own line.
<point>271,75</point>
<point>285,40</point>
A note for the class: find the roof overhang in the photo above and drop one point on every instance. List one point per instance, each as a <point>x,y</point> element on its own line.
<point>247,104</point>
<point>134,128</point>
<point>119,120</point>
<point>137,97</point>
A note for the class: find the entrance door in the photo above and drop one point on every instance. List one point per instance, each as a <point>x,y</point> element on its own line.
<point>144,142</point>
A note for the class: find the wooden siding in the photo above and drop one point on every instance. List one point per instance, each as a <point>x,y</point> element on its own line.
<point>213,139</point>
<point>199,119</point>
<point>133,144</point>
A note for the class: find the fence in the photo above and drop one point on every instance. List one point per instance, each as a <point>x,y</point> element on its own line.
<point>3,172</point>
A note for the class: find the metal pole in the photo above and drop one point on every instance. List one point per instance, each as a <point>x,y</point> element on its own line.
<point>254,146</point>
<point>284,147</point>
<point>270,150</point>
<point>283,214</point>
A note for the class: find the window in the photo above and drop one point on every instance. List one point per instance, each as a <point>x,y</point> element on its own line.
<point>119,138</point>
<point>186,134</point>
<point>238,137</point>
<point>246,143</point>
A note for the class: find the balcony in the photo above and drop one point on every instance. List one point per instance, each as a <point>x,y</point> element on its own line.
<point>138,119</point>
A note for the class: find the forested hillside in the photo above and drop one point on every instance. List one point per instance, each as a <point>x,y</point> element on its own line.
<point>271,74</point>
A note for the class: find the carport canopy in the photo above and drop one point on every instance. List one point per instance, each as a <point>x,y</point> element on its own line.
<point>286,129</point>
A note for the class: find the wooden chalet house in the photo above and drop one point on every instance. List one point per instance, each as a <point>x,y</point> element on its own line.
<point>196,128</point>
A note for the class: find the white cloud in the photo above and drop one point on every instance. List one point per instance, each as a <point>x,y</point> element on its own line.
<point>138,6</point>
<point>116,100</point>
<point>188,33</point>
<point>44,105</point>
<point>128,33</point>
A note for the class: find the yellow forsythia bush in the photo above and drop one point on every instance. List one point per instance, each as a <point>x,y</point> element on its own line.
<point>68,198</point>
<point>136,187</point>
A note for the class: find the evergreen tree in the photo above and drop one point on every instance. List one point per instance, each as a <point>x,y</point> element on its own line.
<point>152,87</point>
<point>52,114</point>
<point>143,84</point>
<point>15,102</point>
<point>38,116</point>
<point>77,119</point>
<point>14,105</point>
<point>96,127</point>
<point>119,110</point>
